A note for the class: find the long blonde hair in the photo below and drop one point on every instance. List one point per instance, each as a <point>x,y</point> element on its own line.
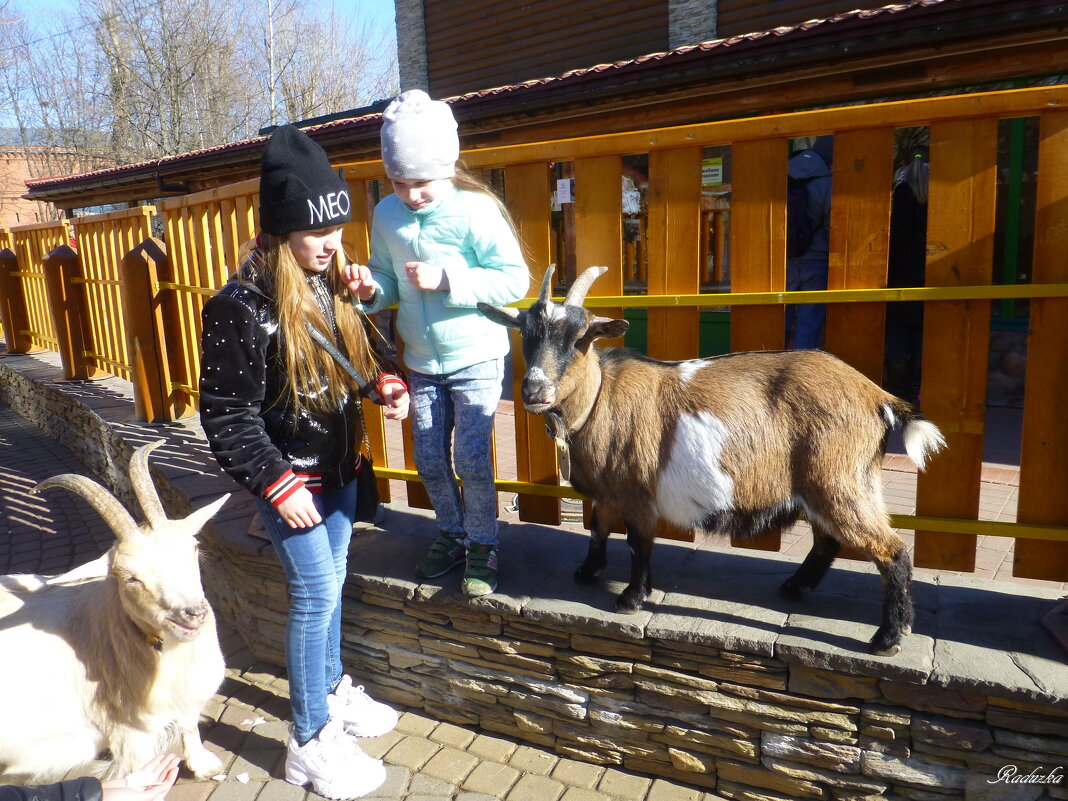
<point>313,377</point>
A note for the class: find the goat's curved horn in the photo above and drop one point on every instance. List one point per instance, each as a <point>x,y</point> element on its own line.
<point>143,486</point>
<point>106,504</point>
<point>582,284</point>
<point>546,284</point>
<point>195,521</point>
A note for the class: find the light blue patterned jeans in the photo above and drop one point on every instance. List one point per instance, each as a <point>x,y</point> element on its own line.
<point>461,403</point>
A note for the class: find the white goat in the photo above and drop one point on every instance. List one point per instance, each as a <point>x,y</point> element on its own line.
<point>120,654</point>
<point>742,444</point>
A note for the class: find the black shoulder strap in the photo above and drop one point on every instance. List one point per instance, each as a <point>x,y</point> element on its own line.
<point>346,365</point>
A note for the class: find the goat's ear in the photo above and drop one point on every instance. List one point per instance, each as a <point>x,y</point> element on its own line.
<point>601,328</point>
<point>197,519</point>
<point>504,315</point>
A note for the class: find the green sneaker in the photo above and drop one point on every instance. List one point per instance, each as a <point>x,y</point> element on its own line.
<point>446,553</point>
<point>480,576</point>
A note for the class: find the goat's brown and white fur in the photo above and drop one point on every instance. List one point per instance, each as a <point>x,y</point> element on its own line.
<point>741,444</point>
<point>118,655</point>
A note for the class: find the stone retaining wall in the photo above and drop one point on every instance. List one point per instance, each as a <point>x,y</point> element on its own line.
<point>737,696</point>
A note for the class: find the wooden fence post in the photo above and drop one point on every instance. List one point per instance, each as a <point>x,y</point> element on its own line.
<point>143,311</point>
<point>66,297</point>
<point>13,311</point>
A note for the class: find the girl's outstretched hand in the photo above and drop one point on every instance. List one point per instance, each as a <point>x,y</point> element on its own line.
<point>150,783</point>
<point>357,278</point>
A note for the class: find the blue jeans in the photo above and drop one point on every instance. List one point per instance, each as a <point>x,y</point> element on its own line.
<point>806,318</point>
<point>314,560</point>
<point>463,402</point>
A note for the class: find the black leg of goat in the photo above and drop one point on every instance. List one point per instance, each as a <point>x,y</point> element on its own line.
<point>641,548</point>
<point>596,554</point>
<point>813,569</point>
<point>897,604</point>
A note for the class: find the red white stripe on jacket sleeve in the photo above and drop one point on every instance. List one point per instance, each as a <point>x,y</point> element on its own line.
<point>388,379</point>
<point>289,483</point>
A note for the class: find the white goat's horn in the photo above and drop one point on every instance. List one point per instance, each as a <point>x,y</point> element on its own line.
<point>195,521</point>
<point>106,504</point>
<point>546,284</point>
<point>144,487</point>
<point>582,284</point>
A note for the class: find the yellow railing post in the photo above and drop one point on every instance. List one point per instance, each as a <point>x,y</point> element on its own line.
<point>146,324</point>
<point>66,297</point>
<point>528,196</point>
<point>13,309</point>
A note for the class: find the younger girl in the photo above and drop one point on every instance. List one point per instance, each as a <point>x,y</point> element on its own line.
<point>283,420</point>
<point>441,243</point>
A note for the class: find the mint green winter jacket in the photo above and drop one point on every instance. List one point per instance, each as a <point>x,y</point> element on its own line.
<point>466,235</point>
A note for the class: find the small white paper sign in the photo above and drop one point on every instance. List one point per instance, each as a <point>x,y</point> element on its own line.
<point>563,190</point>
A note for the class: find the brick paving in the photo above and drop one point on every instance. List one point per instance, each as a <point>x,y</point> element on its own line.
<point>246,721</point>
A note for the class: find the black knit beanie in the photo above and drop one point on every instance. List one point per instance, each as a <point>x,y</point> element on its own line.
<point>299,190</point>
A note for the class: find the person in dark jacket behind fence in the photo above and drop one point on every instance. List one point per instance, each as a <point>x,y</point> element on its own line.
<point>283,419</point>
<point>907,268</point>
<point>150,783</point>
<point>806,265</point>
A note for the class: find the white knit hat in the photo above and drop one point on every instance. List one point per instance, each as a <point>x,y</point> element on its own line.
<point>419,139</point>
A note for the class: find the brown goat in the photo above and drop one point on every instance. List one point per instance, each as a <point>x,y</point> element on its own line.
<point>740,444</point>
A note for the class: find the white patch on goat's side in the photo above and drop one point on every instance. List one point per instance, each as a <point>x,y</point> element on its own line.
<point>692,484</point>
<point>687,369</point>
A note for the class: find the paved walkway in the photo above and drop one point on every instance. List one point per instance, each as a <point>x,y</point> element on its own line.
<point>246,721</point>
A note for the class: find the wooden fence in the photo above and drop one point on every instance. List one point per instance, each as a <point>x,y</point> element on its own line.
<point>205,233</point>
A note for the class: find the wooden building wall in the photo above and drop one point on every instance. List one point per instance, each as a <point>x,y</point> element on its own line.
<point>481,44</point>
<point>737,17</point>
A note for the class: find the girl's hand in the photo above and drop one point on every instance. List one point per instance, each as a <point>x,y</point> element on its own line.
<point>357,278</point>
<point>426,276</point>
<point>395,399</point>
<point>150,783</point>
<point>299,511</point>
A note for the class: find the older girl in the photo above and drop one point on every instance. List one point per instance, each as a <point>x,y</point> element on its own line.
<point>283,420</point>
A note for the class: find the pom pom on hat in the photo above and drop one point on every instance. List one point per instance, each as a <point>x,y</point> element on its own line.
<point>299,190</point>
<point>419,139</point>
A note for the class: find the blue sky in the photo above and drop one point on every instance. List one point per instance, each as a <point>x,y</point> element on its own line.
<point>380,11</point>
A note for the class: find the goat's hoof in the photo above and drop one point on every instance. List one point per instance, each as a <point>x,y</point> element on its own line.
<point>885,643</point>
<point>203,764</point>
<point>792,590</point>
<point>586,576</point>
<point>627,605</point>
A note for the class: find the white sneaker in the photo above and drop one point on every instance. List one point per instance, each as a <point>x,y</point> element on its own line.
<point>334,763</point>
<point>362,715</point>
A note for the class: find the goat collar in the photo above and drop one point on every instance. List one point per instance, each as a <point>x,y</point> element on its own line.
<point>153,640</point>
<point>561,432</point>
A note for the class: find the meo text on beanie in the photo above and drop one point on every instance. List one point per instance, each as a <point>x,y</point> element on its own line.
<point>299,190</point>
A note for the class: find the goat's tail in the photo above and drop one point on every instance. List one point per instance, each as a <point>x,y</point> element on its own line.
<point>922,437</point>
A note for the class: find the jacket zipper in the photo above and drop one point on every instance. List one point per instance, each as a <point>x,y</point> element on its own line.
<point>422,297</point>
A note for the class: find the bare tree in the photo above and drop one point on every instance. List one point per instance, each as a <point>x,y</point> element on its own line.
<point>322,61</point>
<point>132,80</point>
